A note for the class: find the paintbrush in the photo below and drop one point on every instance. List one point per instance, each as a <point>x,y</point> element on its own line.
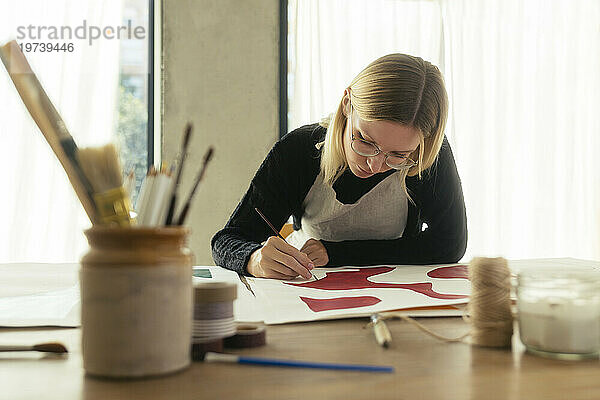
<point>186,207</point>
<point>269,223</point>
<point>49,121</point>
<point>43,347</point>
<point>184,148</point>
<point>278,362</point>
<point>381,331</point>
<point>275,230</point>
<point>102,168</point>
<point>129,184</point>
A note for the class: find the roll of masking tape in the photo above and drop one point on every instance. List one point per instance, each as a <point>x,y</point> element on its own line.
<point>247,335</point>
<point>215,292</point>
<point>199,349</point>
<point>213,311</point>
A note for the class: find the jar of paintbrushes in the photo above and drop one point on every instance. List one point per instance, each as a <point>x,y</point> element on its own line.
<point>136,299</point>
<point>136,282</point>
<point>136,279</point>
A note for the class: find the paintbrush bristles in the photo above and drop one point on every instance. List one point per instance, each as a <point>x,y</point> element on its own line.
<point>114,171</point>
<point>50,348</point>
<point>102,167</point>
<point>209,154</point>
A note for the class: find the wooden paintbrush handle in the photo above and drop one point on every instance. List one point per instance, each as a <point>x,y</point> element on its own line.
<point>15,348</point>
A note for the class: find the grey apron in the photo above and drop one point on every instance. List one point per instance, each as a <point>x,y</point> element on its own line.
<point>379,214</point>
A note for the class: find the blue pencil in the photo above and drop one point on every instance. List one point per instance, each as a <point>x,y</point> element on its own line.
<point>275,362</point>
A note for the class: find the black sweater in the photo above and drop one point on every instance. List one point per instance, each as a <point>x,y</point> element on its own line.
<point>284,178</point>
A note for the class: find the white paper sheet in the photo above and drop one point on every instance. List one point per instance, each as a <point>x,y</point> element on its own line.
<point>39,295</point>
<point>282,302</point>
<point>53,308</point>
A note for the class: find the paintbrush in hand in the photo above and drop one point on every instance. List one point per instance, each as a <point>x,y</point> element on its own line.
<point>275,230</point>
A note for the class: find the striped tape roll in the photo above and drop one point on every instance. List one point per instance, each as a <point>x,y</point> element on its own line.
<point>216,310</point>
<point>213,311</point>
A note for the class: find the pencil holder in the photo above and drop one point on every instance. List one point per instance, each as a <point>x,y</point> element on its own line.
<point>136,301</point>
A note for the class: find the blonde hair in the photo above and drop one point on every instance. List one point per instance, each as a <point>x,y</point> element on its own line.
<point>399,88</point>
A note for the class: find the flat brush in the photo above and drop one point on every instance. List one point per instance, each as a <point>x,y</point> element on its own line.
<point>43,347</point>
<point>102,168</point>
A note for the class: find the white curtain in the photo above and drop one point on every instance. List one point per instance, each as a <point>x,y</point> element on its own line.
<point>524,83</point>
<point>332,40</point>
<point>42,219</point>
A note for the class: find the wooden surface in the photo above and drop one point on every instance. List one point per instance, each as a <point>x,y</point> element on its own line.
<point>425,369</point>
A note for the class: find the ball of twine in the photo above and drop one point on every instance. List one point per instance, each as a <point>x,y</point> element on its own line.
<point>489,305</point>
<point>489,312</point>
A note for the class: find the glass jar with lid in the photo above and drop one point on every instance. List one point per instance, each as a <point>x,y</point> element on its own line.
<point>559,312</point>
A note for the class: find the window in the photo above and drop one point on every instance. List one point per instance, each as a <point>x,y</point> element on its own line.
<point>103,89</point>
<point>135,85</point>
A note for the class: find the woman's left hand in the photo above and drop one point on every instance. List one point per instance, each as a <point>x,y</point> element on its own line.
<point>317,253</point>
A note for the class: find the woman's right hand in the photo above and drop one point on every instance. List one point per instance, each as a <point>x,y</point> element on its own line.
<point>279,259</point>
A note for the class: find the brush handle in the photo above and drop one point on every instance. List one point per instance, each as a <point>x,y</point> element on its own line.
<point>48,120</point>
<point>70,149</point>
<point>382,333</point>
<point>269,223</point>
<point>175,189</point>
<point>186,207</point>
<point>171,210</point>
<point>276,362</point>
<point>317,365</point>
<point>15,348</point>
<point>183,214</point>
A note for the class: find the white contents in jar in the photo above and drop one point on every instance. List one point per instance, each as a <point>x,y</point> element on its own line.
<point>559,311</point>
<point>558,324</point>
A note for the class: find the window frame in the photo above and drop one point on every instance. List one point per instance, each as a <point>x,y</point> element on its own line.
<point>155,107</point>
<point>283,67</point>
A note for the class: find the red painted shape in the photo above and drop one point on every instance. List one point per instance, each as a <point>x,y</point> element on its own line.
<point>456,271</point>
<point>339,303</point>
<point>348,280</point>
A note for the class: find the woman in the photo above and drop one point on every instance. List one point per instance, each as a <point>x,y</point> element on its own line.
<point>374,184</point>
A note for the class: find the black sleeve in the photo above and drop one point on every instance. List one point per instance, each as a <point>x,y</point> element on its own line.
<point>277,189</point>
<point>439,200</point>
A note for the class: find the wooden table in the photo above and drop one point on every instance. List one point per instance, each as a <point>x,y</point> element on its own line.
<point>425,369</point>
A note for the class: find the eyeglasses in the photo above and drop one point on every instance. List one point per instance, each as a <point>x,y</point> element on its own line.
<point>370,149</point>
